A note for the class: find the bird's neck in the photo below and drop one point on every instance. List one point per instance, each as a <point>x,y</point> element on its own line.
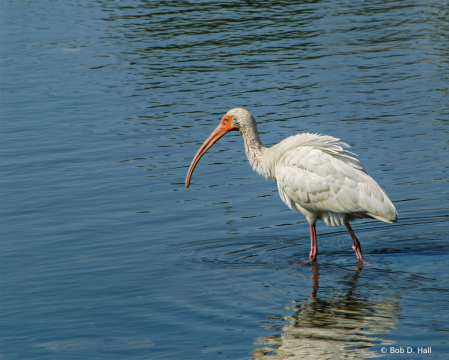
<point>254,150</point>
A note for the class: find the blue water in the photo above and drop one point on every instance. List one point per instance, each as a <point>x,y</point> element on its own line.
<point>106,255</point>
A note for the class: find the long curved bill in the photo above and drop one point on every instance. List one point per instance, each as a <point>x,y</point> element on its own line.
<point>211,140</point>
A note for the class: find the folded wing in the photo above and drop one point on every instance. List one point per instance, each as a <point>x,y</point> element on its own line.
<point>320,176</point>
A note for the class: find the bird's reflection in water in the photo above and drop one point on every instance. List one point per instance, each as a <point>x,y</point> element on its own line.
<point>343,327</point>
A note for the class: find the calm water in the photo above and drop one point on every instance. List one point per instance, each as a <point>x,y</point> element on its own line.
<point>106,255</point>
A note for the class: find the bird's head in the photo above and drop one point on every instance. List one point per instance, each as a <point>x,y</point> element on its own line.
<point>241,120</point>
<point>237,119</point>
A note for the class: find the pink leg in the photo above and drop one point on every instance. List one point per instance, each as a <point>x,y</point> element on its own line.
<point>356,244</point>
<point>314,245</point>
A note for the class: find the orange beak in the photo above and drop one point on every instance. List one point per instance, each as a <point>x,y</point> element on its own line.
<point>222,129</point>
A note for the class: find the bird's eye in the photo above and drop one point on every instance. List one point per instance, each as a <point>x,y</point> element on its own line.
<point>227,120</point>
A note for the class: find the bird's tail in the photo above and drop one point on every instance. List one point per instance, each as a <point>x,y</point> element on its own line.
<point>383,219</point>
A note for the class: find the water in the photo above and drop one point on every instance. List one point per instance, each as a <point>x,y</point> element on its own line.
<point>106,255</point>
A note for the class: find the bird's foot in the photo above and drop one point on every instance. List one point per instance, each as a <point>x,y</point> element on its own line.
<point>299,263</point>
<point>358,252</point>
<point>312,259</point>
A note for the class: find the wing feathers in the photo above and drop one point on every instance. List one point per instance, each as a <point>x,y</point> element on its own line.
<point>319,176</point>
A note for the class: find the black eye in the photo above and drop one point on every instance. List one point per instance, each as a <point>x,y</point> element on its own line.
<point>227,120</point>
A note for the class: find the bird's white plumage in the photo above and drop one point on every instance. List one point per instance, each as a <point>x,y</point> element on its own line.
<point>319,178</point>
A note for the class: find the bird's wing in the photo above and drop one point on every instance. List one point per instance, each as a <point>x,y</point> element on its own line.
<point>320,181</point>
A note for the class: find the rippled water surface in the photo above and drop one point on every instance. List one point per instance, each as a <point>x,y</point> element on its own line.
<point>106,255</point>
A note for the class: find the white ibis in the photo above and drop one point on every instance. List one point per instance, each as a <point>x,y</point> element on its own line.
<point>315,175</point>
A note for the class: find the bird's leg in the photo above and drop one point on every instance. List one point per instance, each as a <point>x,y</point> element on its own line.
<point>356,244</point>
<point>313,243</point>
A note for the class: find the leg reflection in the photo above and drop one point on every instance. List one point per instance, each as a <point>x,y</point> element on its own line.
<point>339,320</point>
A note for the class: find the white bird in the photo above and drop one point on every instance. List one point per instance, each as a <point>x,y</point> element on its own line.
<point>315,175</point>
